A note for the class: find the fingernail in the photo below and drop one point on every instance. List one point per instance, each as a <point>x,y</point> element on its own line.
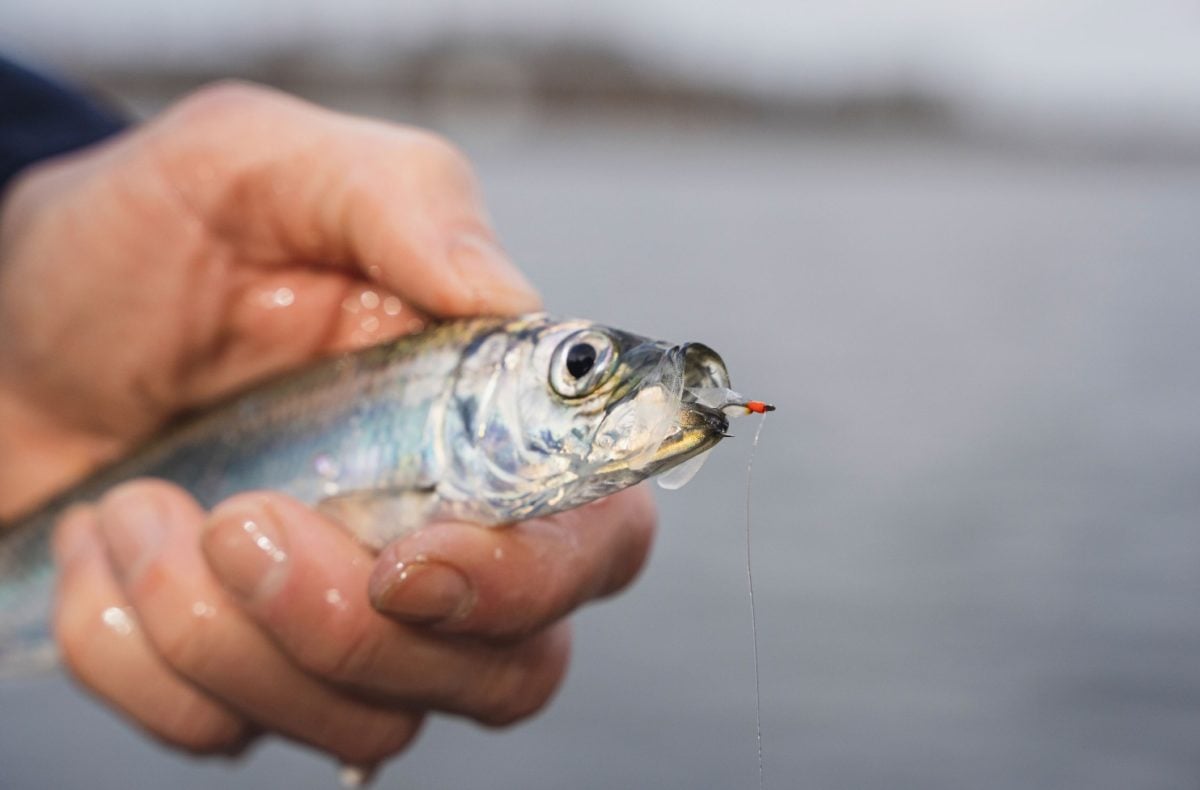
<point>133,526</point>
<point>245,547</point>
<point>421,591</point>
<point>491,276</point>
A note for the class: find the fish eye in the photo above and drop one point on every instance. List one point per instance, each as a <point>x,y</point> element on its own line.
<point>581,358</point>
<point>581,363</point>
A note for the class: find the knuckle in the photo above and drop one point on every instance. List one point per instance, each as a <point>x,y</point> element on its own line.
<point>186,647</point>
<point>631,560</point>
<point>441,161</point>
<point>72,532</point>
<point>186,722</point>
<point>515,690</point>
<point>223,112</point>
<point>369,745</point>
<point>200,728</point>
<point>74,637</point>
<point>186,642</point>
<point>137,488</point>
<point>516,704</point>
<point>438,150</point>
<point>343,653</point>
<point>76,624</point>
<point>221,98</point>
<point>246,501</point>
<point>632,547</point>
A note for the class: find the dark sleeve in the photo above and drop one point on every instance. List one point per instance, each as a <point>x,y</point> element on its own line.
<point>40,118</point>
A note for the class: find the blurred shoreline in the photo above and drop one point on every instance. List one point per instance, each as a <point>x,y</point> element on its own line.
<point>975,551</point>
<point>575,80</point>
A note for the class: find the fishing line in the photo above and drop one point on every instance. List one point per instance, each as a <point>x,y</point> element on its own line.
<point>753,611</point>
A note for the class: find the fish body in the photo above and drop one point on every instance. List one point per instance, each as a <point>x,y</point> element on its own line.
<point>485,420</point>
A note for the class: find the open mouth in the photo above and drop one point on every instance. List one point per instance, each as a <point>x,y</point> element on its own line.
<point>703,368</point>
<point>704,405</point>
<point>696,370</point>
<point>700,427</point>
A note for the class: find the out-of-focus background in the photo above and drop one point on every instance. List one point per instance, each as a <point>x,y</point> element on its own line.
<point>958,244</point>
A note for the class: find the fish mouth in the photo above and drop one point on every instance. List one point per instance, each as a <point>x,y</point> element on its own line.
<point>685,370</point>
<point>700,426</point>
<point>660,418</point>
<point>702,368</point>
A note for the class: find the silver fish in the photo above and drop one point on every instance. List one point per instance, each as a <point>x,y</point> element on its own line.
<point>487,420</point>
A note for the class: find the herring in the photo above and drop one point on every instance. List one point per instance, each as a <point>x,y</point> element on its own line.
<point>485,420</point>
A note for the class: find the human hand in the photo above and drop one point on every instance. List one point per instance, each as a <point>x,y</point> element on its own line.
<point>241,233</point>
<point>209,629</point>
<point>209,247</point>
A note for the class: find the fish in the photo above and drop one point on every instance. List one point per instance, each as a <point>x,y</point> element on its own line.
<point>487,420</point>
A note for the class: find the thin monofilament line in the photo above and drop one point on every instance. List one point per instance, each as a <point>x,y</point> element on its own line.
<point>753,612</point>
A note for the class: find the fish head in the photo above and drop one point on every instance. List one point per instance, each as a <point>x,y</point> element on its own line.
<point>652,418</point>
<point>574,410</point>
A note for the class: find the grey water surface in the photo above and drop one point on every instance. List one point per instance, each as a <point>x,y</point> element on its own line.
<point>976,522</point>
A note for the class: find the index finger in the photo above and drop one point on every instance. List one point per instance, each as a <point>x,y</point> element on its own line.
<point>509,582</point>
<point>290,181</point>
<point>304,581</point>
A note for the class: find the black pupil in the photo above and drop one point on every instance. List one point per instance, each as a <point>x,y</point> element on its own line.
<point>580,358</point>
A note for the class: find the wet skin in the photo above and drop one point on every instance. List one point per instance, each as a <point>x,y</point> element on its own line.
<point>240,233</point>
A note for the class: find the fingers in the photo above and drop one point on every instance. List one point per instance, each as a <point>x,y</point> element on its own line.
<point>515,580</point>
<point>304,580</point>
<point>151,533</point>
<point>260,617</point>
<point>290,181</point>
<point>103,646</point>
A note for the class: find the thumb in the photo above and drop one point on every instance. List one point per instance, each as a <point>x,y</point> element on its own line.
<point>288,180</point>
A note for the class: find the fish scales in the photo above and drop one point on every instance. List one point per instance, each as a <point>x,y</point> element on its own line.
<point>273,436</point>
<point>485,420</point>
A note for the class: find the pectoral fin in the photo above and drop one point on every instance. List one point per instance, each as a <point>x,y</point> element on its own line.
<point>377,517</point>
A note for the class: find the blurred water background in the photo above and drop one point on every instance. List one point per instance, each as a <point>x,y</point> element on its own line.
<point>957,244</point>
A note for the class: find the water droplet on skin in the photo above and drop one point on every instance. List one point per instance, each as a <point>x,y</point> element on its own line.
<point>283,297</point>
<point>370,324</point>
<point>351,305</point>
<point>118,619</point>
<point>264,543</point>
<point>334,598</point>
<point>392,306</point>
<point>374,272</point>
<point>497,553</point>
<point>274,298</point>
<point>369,299</point>
<point>204,610</point>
